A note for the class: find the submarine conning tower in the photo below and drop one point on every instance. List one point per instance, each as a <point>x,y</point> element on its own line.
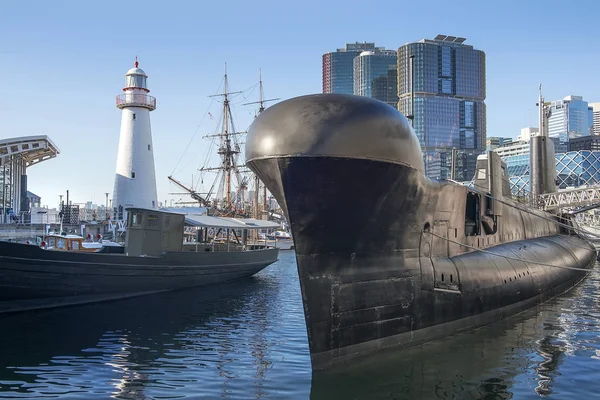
<point>334,125</point>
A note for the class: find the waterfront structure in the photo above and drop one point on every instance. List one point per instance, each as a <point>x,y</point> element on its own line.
<point>569,118</point>
<point>135,182</point>
<point>595,118</point>
<point>16,155</point>
<point>375,75</point>
<point>573,169</point>
<point>338,67</point>
<point>449,99</point>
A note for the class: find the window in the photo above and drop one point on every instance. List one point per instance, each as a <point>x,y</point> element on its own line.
<point>132,175</point>
<point>133,115</point>
<point>152,221</point>
<point>136,219</point>
<point>148,147</point>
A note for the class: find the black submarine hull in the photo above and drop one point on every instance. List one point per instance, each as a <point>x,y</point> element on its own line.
<point>384,255</point>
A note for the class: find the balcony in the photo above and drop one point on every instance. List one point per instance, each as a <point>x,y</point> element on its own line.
<point>136,100</point>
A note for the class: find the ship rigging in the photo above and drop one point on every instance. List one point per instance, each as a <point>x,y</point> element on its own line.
<point>227,195</point>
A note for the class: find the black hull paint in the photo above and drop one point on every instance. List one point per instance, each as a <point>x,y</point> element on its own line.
<point>372,277</point>
<point>34,278</point>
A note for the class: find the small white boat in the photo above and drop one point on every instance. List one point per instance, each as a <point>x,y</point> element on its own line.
<point>282,239</point>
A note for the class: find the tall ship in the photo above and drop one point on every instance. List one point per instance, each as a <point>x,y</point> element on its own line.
<point>227,193</point>
<point>235,191</point>
<point>389,258</point>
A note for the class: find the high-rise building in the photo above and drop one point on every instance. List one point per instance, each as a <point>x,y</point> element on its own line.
<point>569,118</point>
<point>338,67</point>
<point>374,70</point>
<point>449,100</point>
<point>385,87</point>
<point>595,118</point>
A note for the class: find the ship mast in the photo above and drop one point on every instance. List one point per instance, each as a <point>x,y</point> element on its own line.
<point>226,150</point>
<point>261,102</point>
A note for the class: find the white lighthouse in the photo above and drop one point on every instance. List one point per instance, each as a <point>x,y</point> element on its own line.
<point>135,182</point>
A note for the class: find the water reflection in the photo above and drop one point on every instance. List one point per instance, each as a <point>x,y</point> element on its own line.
<point>220,341</point>
<point>248,340</point>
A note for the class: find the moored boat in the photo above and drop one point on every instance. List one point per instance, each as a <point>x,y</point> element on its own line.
<point>389,258</point>
<point>154,259</point>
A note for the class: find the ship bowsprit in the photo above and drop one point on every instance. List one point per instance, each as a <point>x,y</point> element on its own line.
<point>386,257</point>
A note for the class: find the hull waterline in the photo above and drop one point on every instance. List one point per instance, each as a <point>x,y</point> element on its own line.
<point>31,277</point>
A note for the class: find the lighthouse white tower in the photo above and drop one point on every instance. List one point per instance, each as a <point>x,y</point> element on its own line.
<point>135,182</point>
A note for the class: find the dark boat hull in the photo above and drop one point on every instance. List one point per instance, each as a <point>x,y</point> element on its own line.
<point>31,277</point>
<point>386,257</point>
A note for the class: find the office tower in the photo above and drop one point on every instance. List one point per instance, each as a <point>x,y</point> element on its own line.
<point>375,75</point>
<point>595,118</point>
<point>569,118</point>
<point>449,101</point>
<point>338,67</point>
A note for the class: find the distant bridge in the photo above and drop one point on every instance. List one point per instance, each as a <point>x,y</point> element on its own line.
<point>586,198</point>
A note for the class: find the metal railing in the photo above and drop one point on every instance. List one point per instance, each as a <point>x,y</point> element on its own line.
<point>136,100</point>
<point>570,198</point>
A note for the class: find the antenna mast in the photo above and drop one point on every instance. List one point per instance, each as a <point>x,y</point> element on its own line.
<point>261,102</point>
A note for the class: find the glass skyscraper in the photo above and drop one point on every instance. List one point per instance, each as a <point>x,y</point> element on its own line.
<point>570,118</point>
<point>449,101</point>
<point>374,71</point>
<point>338,67</point>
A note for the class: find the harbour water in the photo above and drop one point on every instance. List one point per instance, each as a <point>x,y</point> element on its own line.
<point>247,340</point>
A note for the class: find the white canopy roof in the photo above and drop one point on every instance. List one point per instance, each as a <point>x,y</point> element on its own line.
<point>228,223</point>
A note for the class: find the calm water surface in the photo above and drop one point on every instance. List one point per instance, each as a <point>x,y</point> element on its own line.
<point>247,340</point>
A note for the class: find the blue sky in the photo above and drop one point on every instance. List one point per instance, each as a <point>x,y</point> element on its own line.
<point>63,62</point>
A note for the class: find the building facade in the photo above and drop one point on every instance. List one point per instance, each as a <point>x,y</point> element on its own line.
<point>385,88</point>
<point>595,118</point>
<point>449,100</point>
<point>569,118</point>
<point>573,169</point>
<point>591,143</point>
<point>338,67</point>
<point>493,142</point>
<point>375,75</point>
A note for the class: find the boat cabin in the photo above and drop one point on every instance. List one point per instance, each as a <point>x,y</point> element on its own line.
<point>152,232</point>
<point>64,243</point>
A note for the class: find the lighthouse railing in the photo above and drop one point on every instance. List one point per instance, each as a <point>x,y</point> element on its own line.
<point>136,100</point>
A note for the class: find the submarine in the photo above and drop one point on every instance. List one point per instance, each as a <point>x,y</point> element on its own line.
<point>388,258</point>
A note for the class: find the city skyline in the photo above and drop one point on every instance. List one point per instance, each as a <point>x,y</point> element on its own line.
<point>61,73</point>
